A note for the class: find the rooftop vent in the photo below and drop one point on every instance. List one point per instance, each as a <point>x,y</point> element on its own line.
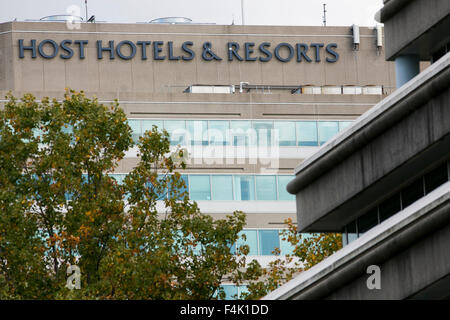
<point>62,18</point>
<point>172,20</point>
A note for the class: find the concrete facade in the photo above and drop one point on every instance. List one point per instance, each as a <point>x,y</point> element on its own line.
<point>415,27</point>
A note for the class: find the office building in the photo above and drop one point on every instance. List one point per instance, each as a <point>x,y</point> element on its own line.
<point>247,102</point>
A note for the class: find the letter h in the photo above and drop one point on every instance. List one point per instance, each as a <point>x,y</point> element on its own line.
<point>100,49</point>
<point>22,48</point>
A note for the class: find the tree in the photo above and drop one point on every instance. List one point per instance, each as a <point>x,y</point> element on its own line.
<point>140,238</point>
<point>59,207</point>
<point>308,250</point>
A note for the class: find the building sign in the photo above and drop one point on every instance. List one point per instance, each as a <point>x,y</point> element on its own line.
<point>160,50</point>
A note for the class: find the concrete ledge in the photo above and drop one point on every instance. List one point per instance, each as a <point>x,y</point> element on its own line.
<point>390,8</point>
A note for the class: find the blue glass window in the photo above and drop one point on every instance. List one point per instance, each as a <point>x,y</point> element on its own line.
<point>286,133</point>
<point>285,246</point>
<point>218,132</point>
<point>135,126</point>
<point>266,188</point>
<point>327,129</point>
<point>147,125</point>
<point>268,241</point>
<point>161,193</point>
<point>198,132</point>
<point>344,124</point>
<point>183,189</point>
<point>251,241</point>
<point>241,133</point>
<point>244,187</point>
<point>263,132</point>
<point>307,133</point>
<point>282,192</point>
<point>222,187</point>
<point>67,128</point>
<point>118,177</point>
<point>199,187</point>
<point>241,290</point>
<point>231,291</point>
<point>177,131</point>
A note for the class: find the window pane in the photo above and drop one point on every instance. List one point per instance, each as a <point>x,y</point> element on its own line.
<point>263,132</point>
<point>147,125</point>
<point>351,232</point>
<point>285,246</point>
<point>282,192</point>
<point>266,188</point>
<point>222,187</point>
<point>198,132</point>
<point>367,221</point>
<point>230,291</point>
<point>327,129</point>
<point>241,133</point>
<point>286,132</point>
<point>218,132</point>
<point>251,241</point>
<point>182,189</point>
<point>412,192</point>
<point>307,133</point>
<point>344,237</point>
<point>160,192</point>
<point>118,177</point>
<point>241,290</point>
<point>389,207</point>
<point>268,241</point>
<point>435,178</point>
<point>344,124</point>
<point>68,128</point>
<point>245,187</point>
<point>177,131</point>
<point>199,187</point>
<point>135,125</point>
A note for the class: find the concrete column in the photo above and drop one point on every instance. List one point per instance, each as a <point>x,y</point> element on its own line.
<point>406,68</point>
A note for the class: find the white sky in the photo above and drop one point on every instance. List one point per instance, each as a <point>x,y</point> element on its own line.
<point>257,12</point>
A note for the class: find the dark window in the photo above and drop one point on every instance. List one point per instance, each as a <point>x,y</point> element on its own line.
<point>412,192</point>
<point>389,207</point>
<point>351,231</point>
<point>435,178</point>
<point>368,221</point>
<point>440,53</point>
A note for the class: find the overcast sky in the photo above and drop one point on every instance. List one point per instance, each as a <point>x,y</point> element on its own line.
<point>256,12</point>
